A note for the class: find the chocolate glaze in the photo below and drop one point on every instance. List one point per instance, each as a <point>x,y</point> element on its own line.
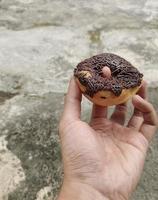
<point>123,74</point>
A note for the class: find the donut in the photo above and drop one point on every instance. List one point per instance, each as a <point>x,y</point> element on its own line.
<point>124,82</point>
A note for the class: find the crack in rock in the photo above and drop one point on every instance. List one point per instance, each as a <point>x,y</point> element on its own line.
<point>5,96</point>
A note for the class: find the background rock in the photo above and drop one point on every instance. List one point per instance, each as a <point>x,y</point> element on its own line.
<point>41,42</point>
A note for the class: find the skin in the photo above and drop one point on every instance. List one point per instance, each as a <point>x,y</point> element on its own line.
<point>104,159</point>
<point>106,72</point>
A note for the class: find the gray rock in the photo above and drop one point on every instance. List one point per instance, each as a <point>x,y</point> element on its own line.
<point>30,127</point>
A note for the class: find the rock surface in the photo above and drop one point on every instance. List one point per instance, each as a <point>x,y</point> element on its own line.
<point>41,42</point>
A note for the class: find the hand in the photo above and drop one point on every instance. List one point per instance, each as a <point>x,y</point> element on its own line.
<point>104,159</point>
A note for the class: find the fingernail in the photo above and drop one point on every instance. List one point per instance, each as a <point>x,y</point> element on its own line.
<point>106,72</point>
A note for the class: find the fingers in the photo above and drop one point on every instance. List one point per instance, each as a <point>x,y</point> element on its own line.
<point>137,118</point>
<point>119,113</point>
<point>72,105</point>
<point>149,125</point>
<point>149,114</point>
<point>106,72</point>
<point>143,90</point>
<point>98,112</point>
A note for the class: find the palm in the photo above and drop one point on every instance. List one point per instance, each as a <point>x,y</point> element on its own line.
<point>105,154</point>
<point>107,150</point>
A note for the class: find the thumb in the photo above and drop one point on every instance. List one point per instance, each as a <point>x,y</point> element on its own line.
<point>72,105</point>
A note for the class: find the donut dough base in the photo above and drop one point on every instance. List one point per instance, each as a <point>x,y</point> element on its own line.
<point>107,98</point>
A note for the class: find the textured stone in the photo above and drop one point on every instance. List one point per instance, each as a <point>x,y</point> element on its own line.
<point>11,172</point>
<point>30,127</point>
<point>45,193</point>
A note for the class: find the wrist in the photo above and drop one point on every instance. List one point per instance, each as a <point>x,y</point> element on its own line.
<point>79,191</point>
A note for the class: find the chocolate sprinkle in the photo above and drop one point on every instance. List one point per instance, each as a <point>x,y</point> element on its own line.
<point>123,74</point>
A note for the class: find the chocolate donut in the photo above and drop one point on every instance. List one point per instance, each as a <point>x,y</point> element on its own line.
<point>124,82</point>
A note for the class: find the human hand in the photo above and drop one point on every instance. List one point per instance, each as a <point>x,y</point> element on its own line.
<point>104,159</point>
